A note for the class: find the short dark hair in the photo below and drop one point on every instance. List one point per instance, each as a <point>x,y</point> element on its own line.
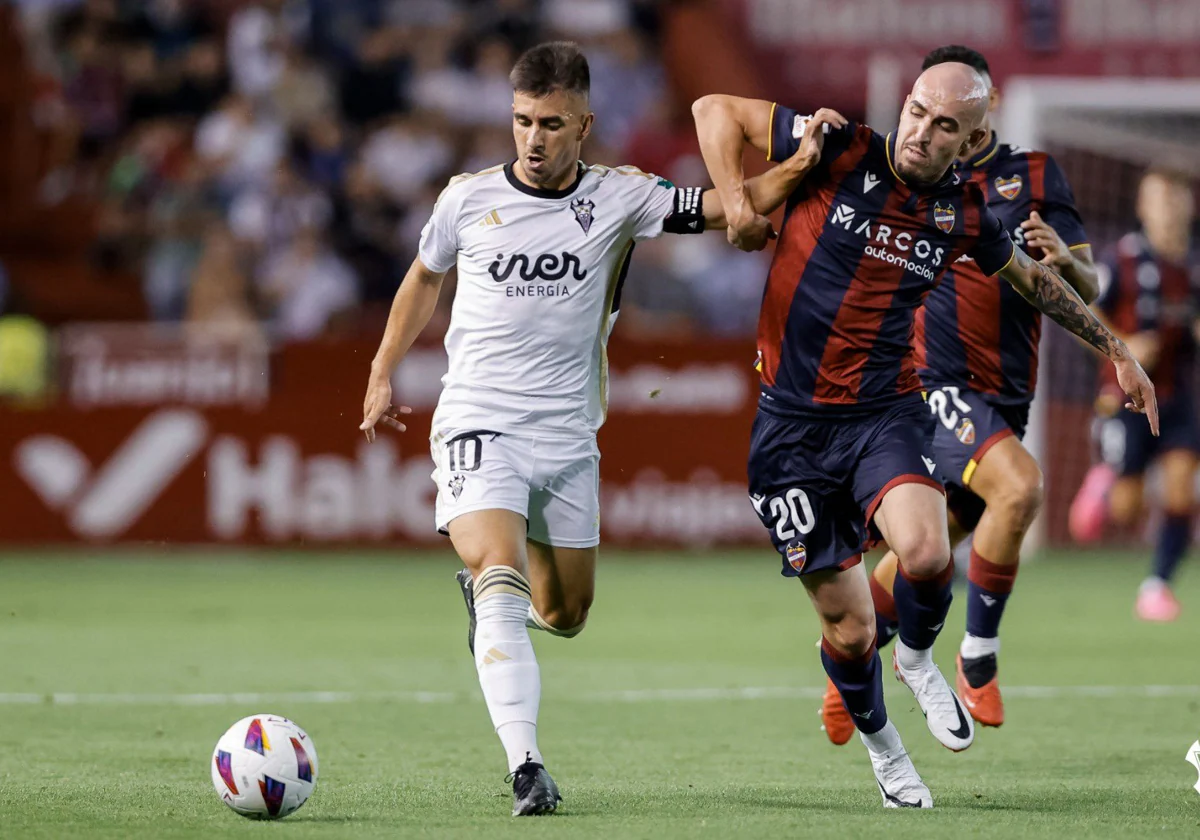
<point>959,54</point>
<point>555,65</point>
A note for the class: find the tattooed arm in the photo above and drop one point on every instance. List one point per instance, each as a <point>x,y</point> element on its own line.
<point>1055,297</point>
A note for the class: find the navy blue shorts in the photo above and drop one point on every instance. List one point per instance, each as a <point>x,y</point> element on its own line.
<point>1125,443</point>
<point>966,427</point>
<point>815,484</point>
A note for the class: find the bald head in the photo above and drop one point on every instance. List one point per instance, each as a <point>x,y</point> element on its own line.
<point>955,86</point>
<point>941,120</point>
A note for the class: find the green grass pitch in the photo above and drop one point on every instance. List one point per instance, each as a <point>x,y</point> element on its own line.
<point>687,708</point>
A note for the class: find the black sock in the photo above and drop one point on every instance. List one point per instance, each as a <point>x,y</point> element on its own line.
<point>922,605</point>
<point>988,588</point>
<point>886,624</point>
<point>1173,542</point>
<point>860,682</point>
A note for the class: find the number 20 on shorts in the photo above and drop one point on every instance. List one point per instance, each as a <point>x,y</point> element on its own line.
<point>793,514</point>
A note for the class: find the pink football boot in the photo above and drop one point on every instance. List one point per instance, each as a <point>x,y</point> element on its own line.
<point>1089,510</point>
<point>1156,602</point>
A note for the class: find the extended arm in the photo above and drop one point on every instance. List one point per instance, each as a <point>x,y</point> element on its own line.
<point>1058,300</point>
<point>412,308</point>
<point>724,124</point>
<point>766,192</point>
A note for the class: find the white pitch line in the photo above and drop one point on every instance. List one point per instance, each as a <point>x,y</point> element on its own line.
<point>1029,692</point>
<point>650,695</point>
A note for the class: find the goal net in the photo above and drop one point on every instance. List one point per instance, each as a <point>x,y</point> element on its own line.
<point>1104,133</point>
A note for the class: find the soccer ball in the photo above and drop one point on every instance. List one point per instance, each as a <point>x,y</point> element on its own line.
<point>264,767</point>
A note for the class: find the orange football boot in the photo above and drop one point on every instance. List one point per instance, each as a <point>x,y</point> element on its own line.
<point>835,719</point>
<point>985,703</point>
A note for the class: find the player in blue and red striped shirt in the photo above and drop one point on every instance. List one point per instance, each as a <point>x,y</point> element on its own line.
<point>1151,297</point>
<point>840,452</point>
<point>977,351</point>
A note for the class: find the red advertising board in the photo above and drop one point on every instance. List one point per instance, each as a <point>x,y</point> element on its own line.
<point>818,52</point>
<point>131,455</point>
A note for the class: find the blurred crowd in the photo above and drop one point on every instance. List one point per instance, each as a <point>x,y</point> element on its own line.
<point>272,163</point>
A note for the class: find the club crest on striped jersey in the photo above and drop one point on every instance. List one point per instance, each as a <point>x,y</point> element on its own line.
<point>965,432</point>
<point>1010,188</point>
<point>583,208</point>
<point>796,555</point>
<point>944,216</point>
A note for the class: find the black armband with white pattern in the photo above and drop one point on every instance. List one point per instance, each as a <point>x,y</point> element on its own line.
<point>688,215</point>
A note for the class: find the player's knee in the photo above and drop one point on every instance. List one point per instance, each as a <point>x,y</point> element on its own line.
<point>853,634</point>
<point>1021,496</point>
<point>483,558</point>
<point>927,556</point>
<point>1178,494</point>
<point>1125,513</point>
<point>1125,503</point>
<point>925,553</point>
<point>567,619</point>
<point>489,538</point>
<point>479,550</point>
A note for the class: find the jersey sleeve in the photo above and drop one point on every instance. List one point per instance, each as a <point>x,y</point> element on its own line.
<point>1059,207</point>
<point>438,248</point>
<point>662,207</point>
<point>787,130</point>
<point>993,250</point>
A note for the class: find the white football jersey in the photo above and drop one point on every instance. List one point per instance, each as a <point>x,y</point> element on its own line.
<point>539,285</point>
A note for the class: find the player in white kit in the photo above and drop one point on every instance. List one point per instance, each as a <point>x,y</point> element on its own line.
<point>542,246</point>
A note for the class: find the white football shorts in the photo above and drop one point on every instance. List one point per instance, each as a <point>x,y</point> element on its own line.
<point>554,484</point>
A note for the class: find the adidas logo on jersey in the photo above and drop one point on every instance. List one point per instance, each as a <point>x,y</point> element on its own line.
<point>492,219</point>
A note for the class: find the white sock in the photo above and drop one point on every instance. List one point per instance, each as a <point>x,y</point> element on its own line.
<point>885,740</point>
<point>911,658</point>
<point>532,620</point>
<point>508,669</point>
<point>973,647</point>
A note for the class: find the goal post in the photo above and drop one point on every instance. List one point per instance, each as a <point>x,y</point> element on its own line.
<point>1103,133</point>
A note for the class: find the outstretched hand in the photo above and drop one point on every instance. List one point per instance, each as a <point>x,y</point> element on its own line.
<point>378,408</point>
<point>813,141</point>
<point>1140,390</point>
<point>1039,234</point>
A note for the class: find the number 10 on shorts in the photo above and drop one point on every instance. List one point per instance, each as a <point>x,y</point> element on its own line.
<point>464,453</point>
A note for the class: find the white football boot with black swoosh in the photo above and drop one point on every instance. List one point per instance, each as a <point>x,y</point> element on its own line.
<point>899,783</point>
<point>944,713</point>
